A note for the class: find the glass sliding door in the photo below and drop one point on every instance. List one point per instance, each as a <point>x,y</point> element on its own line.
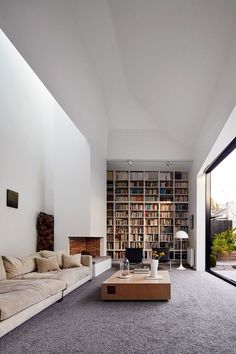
<point>221,215</point>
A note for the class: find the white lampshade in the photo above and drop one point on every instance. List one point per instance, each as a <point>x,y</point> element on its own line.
<point>181,235</point>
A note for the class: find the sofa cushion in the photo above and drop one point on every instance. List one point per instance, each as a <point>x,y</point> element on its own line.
<point>69,275</point>
<point>72,275</point>
<point>86,260</point>
<point>58,254</point>
<point>17,295</point>
<point>35,275</point>
<point>70,261</point>
<point>18,265</point>
<point>3,275</point>
<point>47,264</point>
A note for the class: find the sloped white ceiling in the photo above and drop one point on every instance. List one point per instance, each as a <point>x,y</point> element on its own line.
<point>157,63</point>
<point>172,53</point>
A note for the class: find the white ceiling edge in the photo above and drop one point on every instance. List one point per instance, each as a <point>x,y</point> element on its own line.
<point>149,165</point>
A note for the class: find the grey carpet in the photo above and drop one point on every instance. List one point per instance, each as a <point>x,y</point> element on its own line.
<point>200,318</point>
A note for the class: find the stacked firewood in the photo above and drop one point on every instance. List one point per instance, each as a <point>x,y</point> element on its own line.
<point>45,232</point>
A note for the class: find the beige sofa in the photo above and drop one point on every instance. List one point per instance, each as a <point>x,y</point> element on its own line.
<point>30,284</point>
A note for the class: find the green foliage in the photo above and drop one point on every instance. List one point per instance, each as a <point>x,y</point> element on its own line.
<point>212,260</point>
<point>224,242</point>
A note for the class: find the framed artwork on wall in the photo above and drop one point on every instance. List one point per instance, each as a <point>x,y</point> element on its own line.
<point>12,199</point>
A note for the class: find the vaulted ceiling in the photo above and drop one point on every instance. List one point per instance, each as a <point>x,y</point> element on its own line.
<point>157,62</point>
<point>172,53</point>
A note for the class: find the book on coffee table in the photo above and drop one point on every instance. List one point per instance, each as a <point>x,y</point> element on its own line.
<point>141,270</point>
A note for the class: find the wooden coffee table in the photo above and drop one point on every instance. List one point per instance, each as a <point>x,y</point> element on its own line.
<point>137,287</point>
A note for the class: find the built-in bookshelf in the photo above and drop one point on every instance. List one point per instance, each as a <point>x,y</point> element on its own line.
<point>145,209</point>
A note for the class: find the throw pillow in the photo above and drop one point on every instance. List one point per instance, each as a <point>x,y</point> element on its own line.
<point>47,254</point>
<point>3,275</point>
<point>72,260</point>
<point>47,264</point>
<point>15,266</point>
<point>58,254</point>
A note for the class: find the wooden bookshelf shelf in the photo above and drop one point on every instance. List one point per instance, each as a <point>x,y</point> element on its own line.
<point>145,209</point>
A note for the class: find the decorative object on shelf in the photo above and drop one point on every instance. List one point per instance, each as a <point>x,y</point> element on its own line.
<point>181,235</point>
<point>124,268</point>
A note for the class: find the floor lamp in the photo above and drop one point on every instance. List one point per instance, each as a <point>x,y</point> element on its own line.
<point>181,235</point>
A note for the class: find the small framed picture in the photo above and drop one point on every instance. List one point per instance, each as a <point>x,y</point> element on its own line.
<point>191,221</point>
<point>12,199</point>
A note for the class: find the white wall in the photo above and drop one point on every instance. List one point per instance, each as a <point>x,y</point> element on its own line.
<point>72,181</point>
<point>217,132</point>
<point>97,202</point>
<point>43,156</point>
<point>21,150</point>
<point>145,144</point>
<point>50,51</point>
<point>227,134</point>
<point>49,155</point>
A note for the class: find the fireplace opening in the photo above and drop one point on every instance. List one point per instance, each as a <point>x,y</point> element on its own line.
<point>85,245</point>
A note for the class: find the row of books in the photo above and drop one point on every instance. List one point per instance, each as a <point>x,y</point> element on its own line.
<point>151,218</point>
<point>136,184</point>
<point>181,222</point>
<point>136,207</point>
<point>136,214</point>
<point>166,222</point>
<point>151,214</point>
<point>121,214</point>
<point>148,198</point>
<point>136,222</point>
<point>181,191</point>
<point>135,237</point>
<point>166,229</point>
<point>150,231</point>
<point>181,198</point>
<point>151,222</point>
<point>148,176</point>
<point>119,242</point>
<point>149,203</point>
<point>123,238</point>
<point>164,188</point>
<point>181,184</point>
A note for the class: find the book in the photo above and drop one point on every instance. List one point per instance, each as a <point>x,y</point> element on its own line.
<point>141,270</point>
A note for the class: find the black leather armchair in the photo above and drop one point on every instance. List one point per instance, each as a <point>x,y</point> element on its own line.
<point>134,255</point>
